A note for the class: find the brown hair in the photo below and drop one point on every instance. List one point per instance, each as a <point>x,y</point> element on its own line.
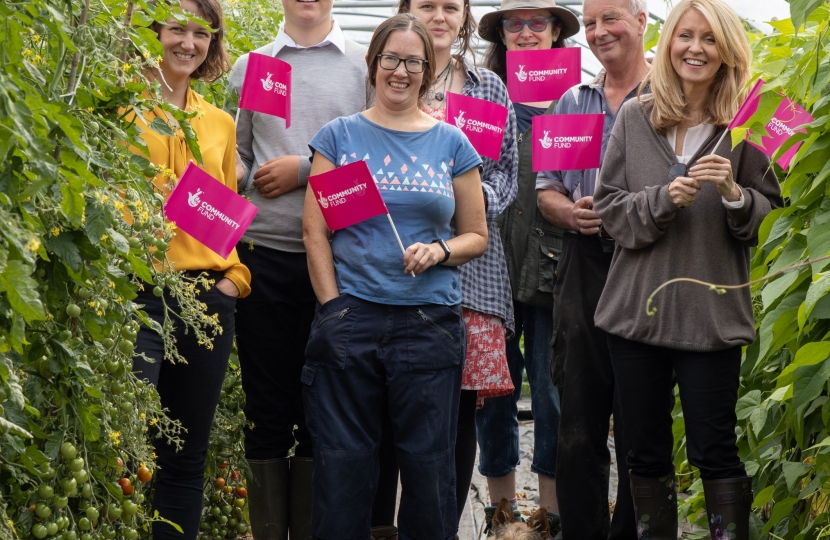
<point>465,34</point>
<point>495,59</point>
<point>401,22</point>
<point>668,106</point>
<point>217,62</point>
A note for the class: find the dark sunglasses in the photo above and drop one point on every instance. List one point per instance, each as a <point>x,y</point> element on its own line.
<point>678,169</point>
<point>514,26</point>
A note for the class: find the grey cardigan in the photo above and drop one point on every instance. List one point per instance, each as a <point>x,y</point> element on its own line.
<point>657,241</point>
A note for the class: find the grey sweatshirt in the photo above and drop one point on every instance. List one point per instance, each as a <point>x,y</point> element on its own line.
<point>657,241</point>
<point>326,84</point>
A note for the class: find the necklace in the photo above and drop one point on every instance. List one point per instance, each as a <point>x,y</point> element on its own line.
<point>439,96</point>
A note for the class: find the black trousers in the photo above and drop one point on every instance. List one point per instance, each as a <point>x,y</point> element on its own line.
<point>191,392</point>
<point>708,383</point>
<point>272,327</point>
<point>583,374</point>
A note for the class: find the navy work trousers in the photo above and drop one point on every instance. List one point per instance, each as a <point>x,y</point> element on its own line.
<point>361,356</point>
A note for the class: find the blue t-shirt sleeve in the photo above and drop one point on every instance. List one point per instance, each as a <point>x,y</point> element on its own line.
<point>325,142</point>
<point>466,156</point>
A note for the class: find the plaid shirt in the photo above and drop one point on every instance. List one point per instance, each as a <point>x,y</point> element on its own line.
<point>485,286</point>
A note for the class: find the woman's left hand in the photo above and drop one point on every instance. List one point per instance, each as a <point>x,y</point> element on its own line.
<point>227,287</point>
<point>240,169</point>
<point>717,170</point>
<point>419,257</point>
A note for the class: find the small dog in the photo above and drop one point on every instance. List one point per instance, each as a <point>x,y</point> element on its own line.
<point>505,527</point>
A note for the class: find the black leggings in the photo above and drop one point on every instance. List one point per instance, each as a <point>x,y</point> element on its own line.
<point>383,509</point>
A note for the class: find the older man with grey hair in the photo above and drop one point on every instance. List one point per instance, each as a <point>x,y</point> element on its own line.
<point>581,366</point>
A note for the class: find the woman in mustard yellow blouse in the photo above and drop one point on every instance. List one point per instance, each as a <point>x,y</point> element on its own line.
<point>190,390</point>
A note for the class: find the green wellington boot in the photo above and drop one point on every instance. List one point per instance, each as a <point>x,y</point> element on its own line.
<point>299,520</point>
<point>268,499</point>
<point>655,506</point>
<point>728,503</point>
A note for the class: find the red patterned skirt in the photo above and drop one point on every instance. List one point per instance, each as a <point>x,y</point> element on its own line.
<point>485,366</point>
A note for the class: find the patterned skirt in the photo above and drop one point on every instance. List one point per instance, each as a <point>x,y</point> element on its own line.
<point>485,366</point>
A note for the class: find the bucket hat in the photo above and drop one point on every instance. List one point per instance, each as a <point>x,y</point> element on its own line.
<point>488,26</point>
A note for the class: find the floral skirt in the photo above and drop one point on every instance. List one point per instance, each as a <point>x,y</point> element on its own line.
<point>485,366</point>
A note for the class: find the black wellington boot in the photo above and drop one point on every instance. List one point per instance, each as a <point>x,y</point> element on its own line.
<point>299,522</point>
<point>268,499</point>
<point>728,503</point>
<point>655,506</point>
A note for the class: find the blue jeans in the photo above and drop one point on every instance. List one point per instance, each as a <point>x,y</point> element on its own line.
<point>497,423</point>
<point>360,357</point>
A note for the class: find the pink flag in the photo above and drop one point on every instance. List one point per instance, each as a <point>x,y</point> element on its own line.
<point>787,117</point>
<point>567,142</point>
<point>542,75</point>
<point>267,87</point>
<point>481,121</point>
<point>347,195</point>
<point>208,210</point>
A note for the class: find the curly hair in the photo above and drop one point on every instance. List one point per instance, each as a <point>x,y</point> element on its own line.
<point>217,62</point>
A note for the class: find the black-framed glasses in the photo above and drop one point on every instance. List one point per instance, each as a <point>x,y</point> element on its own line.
<point>536,24</point>
<point>678,169</point>
<point>412,65</point>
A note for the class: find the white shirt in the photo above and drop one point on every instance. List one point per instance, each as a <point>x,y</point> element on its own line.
<point>695,137</point>
<point>335,38</point>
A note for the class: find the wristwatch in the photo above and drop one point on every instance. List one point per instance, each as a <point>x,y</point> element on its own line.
<point>445,247</point>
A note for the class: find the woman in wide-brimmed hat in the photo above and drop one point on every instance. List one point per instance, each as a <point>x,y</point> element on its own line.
<point>530,244</point>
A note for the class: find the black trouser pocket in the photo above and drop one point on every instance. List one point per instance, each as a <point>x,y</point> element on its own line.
<point>330,332</point>
<point>435,337</point>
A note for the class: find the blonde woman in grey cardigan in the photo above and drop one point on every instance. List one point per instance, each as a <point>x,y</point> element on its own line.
<point>679,207</point>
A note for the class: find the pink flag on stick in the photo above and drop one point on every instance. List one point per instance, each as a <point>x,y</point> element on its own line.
<point>481,121</point>
<point>786,118</point>
<point>347,195</point>
<point>542,75</point>
<point>208,210</point>
<point>567,142</point>
<point>267,87</point>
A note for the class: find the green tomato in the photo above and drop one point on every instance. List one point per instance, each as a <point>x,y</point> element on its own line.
<point>42,510</point>
<point>81,477</point>
<point>114,512</point>
<point>70,535</point>
<point>161,245</point>
<point>69,485</point>
<point>86,492</point>
<point>227,509</point>
<point>127,407</point>
<point>135,243</point>
<point>39,531</point>
<point>108,531</point>
<point>48,473</point>
<point>129,332</point>
<point>73,310</point>
<point>239,503</point>
<point>86,536</point>
<point>126,347</point>
<point>103,303</point>
<point>223,520</point>
<point>63,522</point>
<point>116,388</point>
<point>112,366</point>
<point>107,343</point>
<point>129,508</point>
<point>45,491</point>
<point>84,293</point>
<point>51,528</point>
<point>76,464</point>
<point>215,511</point>
<point>158,291</point>
<point>84,524</point>
<point>59,501</point>
<point>92,513</point>
<point>129,533</point>
<point>68,451</point>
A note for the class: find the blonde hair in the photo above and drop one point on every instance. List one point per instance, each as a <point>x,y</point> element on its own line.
<point>668,104</point>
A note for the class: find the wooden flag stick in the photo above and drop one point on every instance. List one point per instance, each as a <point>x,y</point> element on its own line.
<point>398,237</point>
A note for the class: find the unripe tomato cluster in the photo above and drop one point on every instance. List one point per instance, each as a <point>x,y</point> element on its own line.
<point>225,506</point>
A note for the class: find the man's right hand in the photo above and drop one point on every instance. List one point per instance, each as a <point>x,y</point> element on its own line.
<point>585,219</point>
<point>278,176</point>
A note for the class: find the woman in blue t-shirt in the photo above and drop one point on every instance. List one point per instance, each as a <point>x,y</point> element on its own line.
<point>381,337</point>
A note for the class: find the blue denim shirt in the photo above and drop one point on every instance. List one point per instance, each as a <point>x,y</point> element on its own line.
<point>582,99</point>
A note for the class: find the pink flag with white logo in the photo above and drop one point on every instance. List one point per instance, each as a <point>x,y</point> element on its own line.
<point>542,75</point>
<point>567,142</point>
<point>786,118</point>
<point>347,195</point>
<point>208,210</point>
<point>481,121</point>
<point>267,87</point>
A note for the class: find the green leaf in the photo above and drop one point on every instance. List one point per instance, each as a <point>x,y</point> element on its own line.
<point>652,35</point>
<point>779,511</point>
<point>808,382</point>
<point>818,288</point>
<point>748,403</point>
<point>808,355</point>
<point>801,9</point>
<point>91,426</point>
<point>21,291</point>
<point>793,471</point>
<point>63,246</point>
<point>763,497</point>
<point>161,127</point>
<point>192,142</point>
<point>120,242</point>
<point>98,220</point>
<point>140,269</point>
<point>72,199</point>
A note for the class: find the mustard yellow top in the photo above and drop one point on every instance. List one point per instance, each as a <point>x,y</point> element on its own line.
<point>216,133</point>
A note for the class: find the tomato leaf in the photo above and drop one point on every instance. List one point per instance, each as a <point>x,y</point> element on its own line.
<point>21,290</point>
